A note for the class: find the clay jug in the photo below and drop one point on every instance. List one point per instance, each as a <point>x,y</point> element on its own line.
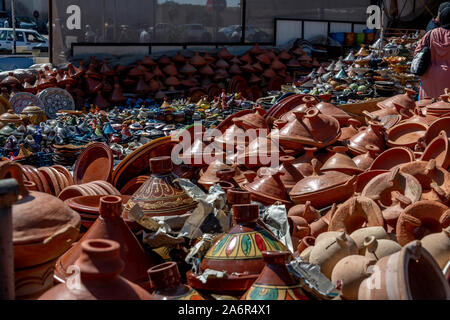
<point>438,244</point>
<point>100,268</point>
<point>360,235</point>
<point>378,249</point>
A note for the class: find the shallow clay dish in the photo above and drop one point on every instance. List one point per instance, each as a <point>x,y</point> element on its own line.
<point>51,180</point>
<point>438,149</point>
<point>436,127</point>
<point>65,172</point>
<point>108,187</point>
<point>95,163</point>
<point>406,134</point>
<point>392,158</point>
<point>89,204</point>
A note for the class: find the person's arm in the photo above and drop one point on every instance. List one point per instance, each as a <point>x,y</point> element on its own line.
<point>423,42</point>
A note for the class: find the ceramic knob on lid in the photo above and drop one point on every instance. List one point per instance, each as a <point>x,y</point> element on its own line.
<point>110,207</point>
<point>100,257</point>
<point>276,257</point>
<point>161,165</point>
<point>245,213</point>
<point>163,276</point>
<point>236,196</point>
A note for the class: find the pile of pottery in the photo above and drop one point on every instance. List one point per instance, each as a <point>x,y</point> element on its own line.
<point>362,75</point>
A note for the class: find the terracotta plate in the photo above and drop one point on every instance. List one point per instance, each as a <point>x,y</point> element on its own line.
<point>95,163</point>
<point>89,204</point>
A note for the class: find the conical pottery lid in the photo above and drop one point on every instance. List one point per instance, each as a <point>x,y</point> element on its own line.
<point>264,59</point>
<point>160,195</point>
<point>269,189</point>
<point>170,69</point>
<point>164,60</point>
<point>341,162</point>
<point>179,58</point>
<point>206,70</point>
<point>240,250</point>
<point>222,64</point>
<point>224,54</point>
<point>148,62</point>
<point>252,121</point>
<point>403,100</point>
<point>235,69</point>
<point>275,281</point>
<point>209,177</point>
<point>284,55</point>
<point>331,110</point>
<point>257,66</point>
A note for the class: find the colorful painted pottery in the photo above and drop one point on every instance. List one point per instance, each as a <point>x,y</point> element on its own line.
<point>95,163</point>
<point>100,276</point>
<point>275,281</point>
<point>165,284</point>
<point>110,226</point>
<point>160,195</point>
<point>328,252</point>
<point>55,99</point>
<point>237,253</point>
<point>351,271</point>
<point>438,244</point>
<point>410,274</point>
<point>421,219</point>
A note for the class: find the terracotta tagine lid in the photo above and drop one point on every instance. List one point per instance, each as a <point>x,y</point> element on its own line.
<point>311,128</point>
<point>165,284</point>
<point>371,135</point>
<point>304,163</point>
<point>224,54</point>
<point>43,226</point>
<point>323,188</point>
<point>269,73</point>
<point>253,120</point>
<point>365,160</point>
<point>258,67</point>
<point>209,177</point>
<point>290,175</point>
<point>381,187</point>
<point>403,100</point>
<point>269,190</point>
<point>160,195</point>
<point>188,69</point>
<point>341,162</point>
<point>117,95</point>
<point>10,80</point>
<point>331,110</point>
<point>237,253</point>
<point>275,281</point>
<point>100,267</point>
<point>206,70</point>
<point>260,152</point>
<point>148,62</point>
<point>197,60</point>
<point>111,226</point>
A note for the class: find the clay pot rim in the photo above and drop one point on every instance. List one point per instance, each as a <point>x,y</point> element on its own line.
<point>387,152</point>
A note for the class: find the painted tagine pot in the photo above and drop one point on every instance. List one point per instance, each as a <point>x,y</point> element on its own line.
<point>275,281</point>
<point>160,195</point>
<point>237,253</point>
<point>165,284</point>
<point>98,277</point>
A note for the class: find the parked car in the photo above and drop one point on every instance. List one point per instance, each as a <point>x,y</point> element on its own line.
<point>233,34</point>
<point>29,39</point>
<point>26,23</point>
<point>194,33</point>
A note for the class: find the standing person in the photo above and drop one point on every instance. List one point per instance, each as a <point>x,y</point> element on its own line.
<point>434,23</point>
<point>437,77</point>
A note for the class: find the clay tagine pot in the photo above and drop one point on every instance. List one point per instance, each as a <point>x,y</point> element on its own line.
<point>165,284</point>
<point>110,226</point>
<point>269,190</point>
<point>410,274</point>
<point>160,195</point>
<point>341,162</point>
<point>364,161</point>
<point>275,281</point>
<point>100,267</point>
<point>237,253</point>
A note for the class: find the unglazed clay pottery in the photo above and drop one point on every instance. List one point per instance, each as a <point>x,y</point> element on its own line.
<point>379,248</point>
<point>323,189</point>
<point>405,134</point>
<point>232,136</point>
<point>311,129</point>
<point>371,135</point>
<point>304,163</point>
<point>160,195</point>
<point>403,100</point>
<point>95,163</point>
<point>438,149</point>
<point>435,180</point>
<point>331,110</point>
<point>341,162</point>
<point>275,281</point>
<point>391,214</point>
<point>352,129</point>
<point>252,121</point>
<point>351,271</point>
<point>435,129</point>
<point>100,267</point>
<point>410,274</point>
<point>392,158</point>
<point>438,244</point>
<point>328,252</point>
<point>165,284</point>
<point>366,160</point>
<point>421,219</point>
<point>111,226</point>
<point>356,213</point>
<point>238,253</point>
<point>209,177</point>
<point>381,187</point>
<point>305,211</point>
<point>360,235</point>
<point>299,229</point>
<point>269,190</point>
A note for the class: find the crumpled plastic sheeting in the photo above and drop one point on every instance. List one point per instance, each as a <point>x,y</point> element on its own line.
<point>275,217</point>
<point>209,216</point>
<point>197,252</point>
<point>152,223</point>
<point>162,237</point>
<point>313,279</point>
<point>208,273</point>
